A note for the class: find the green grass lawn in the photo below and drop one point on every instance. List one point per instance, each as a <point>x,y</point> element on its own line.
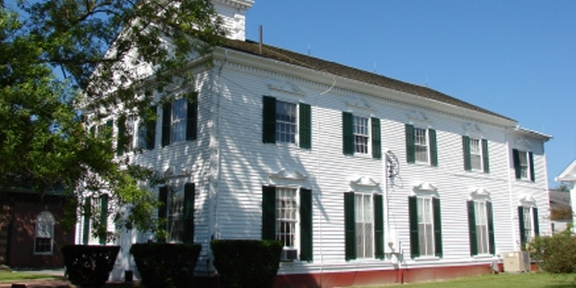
<point>11,276</point>
<point>530,280</point>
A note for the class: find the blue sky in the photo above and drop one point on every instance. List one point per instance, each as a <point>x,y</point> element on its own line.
<point>516,58</point>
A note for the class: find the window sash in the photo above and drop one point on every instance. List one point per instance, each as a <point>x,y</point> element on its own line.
<point>361,134</point>
<point>481,227</point>
<point>420,145</point>
<point>176,217</point>
<point>286,216</point>
<point>364,217</point>
<point>475,154</point>
<point>528,223</point>
<point>286,115</point>
<point>425,226</point>
<point>179,119</point>
<point>523,157</point>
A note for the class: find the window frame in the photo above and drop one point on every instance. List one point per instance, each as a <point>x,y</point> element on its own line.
<point>189,119</point>
<point>414,220</point>
<point>279,221</point>
<point>528,157</point>
<point>279,139</point>
<point>50,221</point>
<point>357,132</point>
<point>481,208</point>
<point>533,223</point>
<point>431,145</point>
<point>303,228</point>
<point>271,123</point>
<point>425,145</point>
<point>166,195</point>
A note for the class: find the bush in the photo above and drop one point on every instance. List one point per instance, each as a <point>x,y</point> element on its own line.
<point>246,263</point>
<point>89,266</point>
<point>163,265</point>
<point>554,254</point>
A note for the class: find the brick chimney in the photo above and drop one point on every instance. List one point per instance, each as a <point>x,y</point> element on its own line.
<point>233,12</point>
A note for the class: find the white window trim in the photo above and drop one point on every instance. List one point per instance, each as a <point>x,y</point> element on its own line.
<point>297,244</point>
<point>297,124</point>
<point>368,135</point>
<point>372,241</point>
<point>528,168</point>
<point>480,154</point>
<point>52,222</point>
<point>427,138</point>
<point>173,122</point>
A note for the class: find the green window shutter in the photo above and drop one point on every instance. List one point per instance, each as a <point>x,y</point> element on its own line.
<point>466,150</point>
<point>121,140</point>
<point>376,141</point>
<point>347,133</point>
<point>109,125</point>
<point>437,227</point>
<point>531,159</point>
<point>192,118</point>
<point>86,228</point>
<point>305,126</point>
<point>414,239</point>
<point>491,239</point>
<point>521,224</point>
<point>166,123</point>
<point>433,148</point>
<point>378,227</point>
<point>305,225</point>
<point>103,216</point>
<point>189,195</point>
<point>151,130</point>
<point>472,229</point>
<point>536,222</point>
<point>163,209</point>
<point>268,119</point>
<point>410,148</point>
<point>268,213</point>
<point>485,160</point>
<point>516,158</point>
<point>349,226</point>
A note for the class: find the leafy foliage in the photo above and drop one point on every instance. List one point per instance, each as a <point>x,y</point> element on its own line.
<point>555,254</point>
<point>246,263</point>
<point>69,64</point>
<point>166,265</point>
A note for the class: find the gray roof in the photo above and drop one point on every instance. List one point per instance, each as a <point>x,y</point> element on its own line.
<point>298,59</point>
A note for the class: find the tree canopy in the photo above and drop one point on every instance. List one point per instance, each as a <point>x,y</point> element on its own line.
<point>66,63</point>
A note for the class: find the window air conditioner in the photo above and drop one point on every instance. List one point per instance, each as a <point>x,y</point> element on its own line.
<point>289,254</point>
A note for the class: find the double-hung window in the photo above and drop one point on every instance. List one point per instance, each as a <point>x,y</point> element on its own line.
<point>44,233</point>
<point>528,222</point>
<point>177,213</point>
<point>364,229</point>
<point>287,217</point>
<point>425,226</point>
<point>286,122</point>
<point>524,165</point>
<point>481,227</point>
<point>179,120</point>
<point>421,145</point>
<point>361,135</point>
<point>475,154</point>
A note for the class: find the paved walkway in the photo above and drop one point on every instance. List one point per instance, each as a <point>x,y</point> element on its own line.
<point>60,283</point>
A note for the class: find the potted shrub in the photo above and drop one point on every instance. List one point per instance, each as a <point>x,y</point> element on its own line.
<point>166,265</point>
<point>89,266</point>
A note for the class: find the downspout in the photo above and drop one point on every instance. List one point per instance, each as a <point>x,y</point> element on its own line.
<point>515,238</point>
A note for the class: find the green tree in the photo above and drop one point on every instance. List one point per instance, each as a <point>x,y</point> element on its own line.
<point>64,63</point>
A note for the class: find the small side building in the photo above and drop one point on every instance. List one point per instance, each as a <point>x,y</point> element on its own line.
<point>30,229</point>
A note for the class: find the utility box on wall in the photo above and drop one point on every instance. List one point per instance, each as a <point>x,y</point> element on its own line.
<point>516,262</point>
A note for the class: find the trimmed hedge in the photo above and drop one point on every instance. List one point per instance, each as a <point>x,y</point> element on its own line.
<point>163,265</point>
<point>246,263</point>
<point>89,266</point>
